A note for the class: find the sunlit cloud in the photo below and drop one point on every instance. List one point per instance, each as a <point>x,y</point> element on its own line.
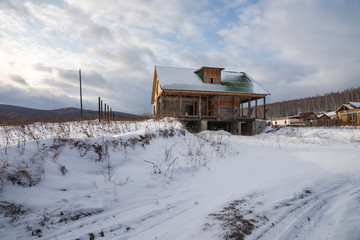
<point>293,48</point>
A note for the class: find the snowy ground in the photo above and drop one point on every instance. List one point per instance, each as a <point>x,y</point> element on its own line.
<point>155,180</point>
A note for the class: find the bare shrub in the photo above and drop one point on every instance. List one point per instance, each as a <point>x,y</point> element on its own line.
<point>99,150</point>
<point>109,168</point>
<point>12,211</point>
<point>21,140</point>
<point>157,169</point>
<point>169,152</point>
<point>24,177</point>
<point>171,165</point>
<point>63,170</point>
<point>3,174</point>
<point>82,147</point>
<point>117,184</point>
<point>46,218</point>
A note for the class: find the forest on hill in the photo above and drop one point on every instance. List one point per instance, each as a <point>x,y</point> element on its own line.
<point>321,103</point>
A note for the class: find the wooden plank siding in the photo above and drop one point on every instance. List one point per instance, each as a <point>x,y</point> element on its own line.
<point>350,117</point>
<point>200,106</point>
<point>212,75</point>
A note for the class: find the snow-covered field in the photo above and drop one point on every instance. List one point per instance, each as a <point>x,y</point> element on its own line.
<point>155,180</point>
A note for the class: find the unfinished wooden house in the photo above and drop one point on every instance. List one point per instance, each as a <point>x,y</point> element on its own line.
<point>209,98</point>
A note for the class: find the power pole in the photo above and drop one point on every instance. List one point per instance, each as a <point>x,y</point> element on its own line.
<point>99,109</point>
<point>105,115</point>
<point>81,107</point>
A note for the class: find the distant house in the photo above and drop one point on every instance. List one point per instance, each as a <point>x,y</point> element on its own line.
<point>208,98</point>
<point>301,119</point>
<point>331,115</point>
<point>323,116</point>
<point>307,117</point>
<point>285,121</point>
<point>349,113</point>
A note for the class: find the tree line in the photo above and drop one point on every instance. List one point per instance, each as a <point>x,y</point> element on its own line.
<point>320,103</point>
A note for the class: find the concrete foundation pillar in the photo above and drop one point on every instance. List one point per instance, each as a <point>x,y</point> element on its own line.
<point>235,128</point>
<point>202,125</point>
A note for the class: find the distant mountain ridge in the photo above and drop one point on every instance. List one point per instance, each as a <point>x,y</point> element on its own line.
<point>10,114</point>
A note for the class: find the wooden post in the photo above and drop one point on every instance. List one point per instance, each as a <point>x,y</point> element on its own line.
<point>207,105</point>
<point>81,106</point>
<point>249,107</point>
<point>105,114</point>
<point>199,106</point>
<point>264,109</point>
<point>242,109</point>
<point>256,108</point>
<point>217,107</point>
<point>163,104</point>
<point>180,114</point>
<point>233,106</point>
<point>99,109</point>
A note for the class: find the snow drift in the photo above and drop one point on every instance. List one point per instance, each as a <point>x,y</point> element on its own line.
<point>155,180</point>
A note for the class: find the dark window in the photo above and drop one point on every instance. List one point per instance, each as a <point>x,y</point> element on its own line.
<point>189,110</point>
<point>352,117</point>
<point>211,80</point>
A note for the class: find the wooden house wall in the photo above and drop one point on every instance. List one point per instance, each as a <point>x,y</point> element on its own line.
<point>344,116</point>
<point>223,106</point>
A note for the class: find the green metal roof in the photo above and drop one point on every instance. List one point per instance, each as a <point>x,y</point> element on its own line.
<point>173,78</point>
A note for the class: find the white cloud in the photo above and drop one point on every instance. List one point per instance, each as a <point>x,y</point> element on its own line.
<point>294,48</point>
<point>317,39</point>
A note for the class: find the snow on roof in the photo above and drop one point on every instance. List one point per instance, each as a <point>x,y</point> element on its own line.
<point>332,113</point>
<point>355,104</point>
<point>186,79</point>
<point>348,106</point>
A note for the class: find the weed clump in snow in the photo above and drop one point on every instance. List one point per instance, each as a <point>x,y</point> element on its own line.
<point>12,211</point>
<point>238,219</point>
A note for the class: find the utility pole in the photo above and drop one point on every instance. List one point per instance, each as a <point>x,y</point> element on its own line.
<point>105,110</point>
<point>99,109</point>
<point>81,107</point>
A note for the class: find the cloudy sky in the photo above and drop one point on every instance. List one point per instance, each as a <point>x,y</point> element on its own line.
<point>293,48</point>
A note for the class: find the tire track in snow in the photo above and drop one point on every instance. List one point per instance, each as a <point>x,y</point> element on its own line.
<point>119,227</point>
<point>301,215</point>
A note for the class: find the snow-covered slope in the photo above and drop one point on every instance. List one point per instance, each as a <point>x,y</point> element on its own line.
<point>155,180</point>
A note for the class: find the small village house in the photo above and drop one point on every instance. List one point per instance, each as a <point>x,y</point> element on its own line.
<point>209,98</point>
<point>327,115</point>
<point>349,113</point>
<point>307,118</point>
<point>284,121</point>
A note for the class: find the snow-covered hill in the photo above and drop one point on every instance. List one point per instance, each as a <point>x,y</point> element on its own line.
<point>155,180</point>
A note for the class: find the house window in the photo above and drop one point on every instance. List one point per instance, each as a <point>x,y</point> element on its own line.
<point>211,80</point>
<point>285,122</point>
<point>352,117</point>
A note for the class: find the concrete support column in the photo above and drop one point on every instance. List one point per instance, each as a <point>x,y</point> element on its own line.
<point>202,125</point>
